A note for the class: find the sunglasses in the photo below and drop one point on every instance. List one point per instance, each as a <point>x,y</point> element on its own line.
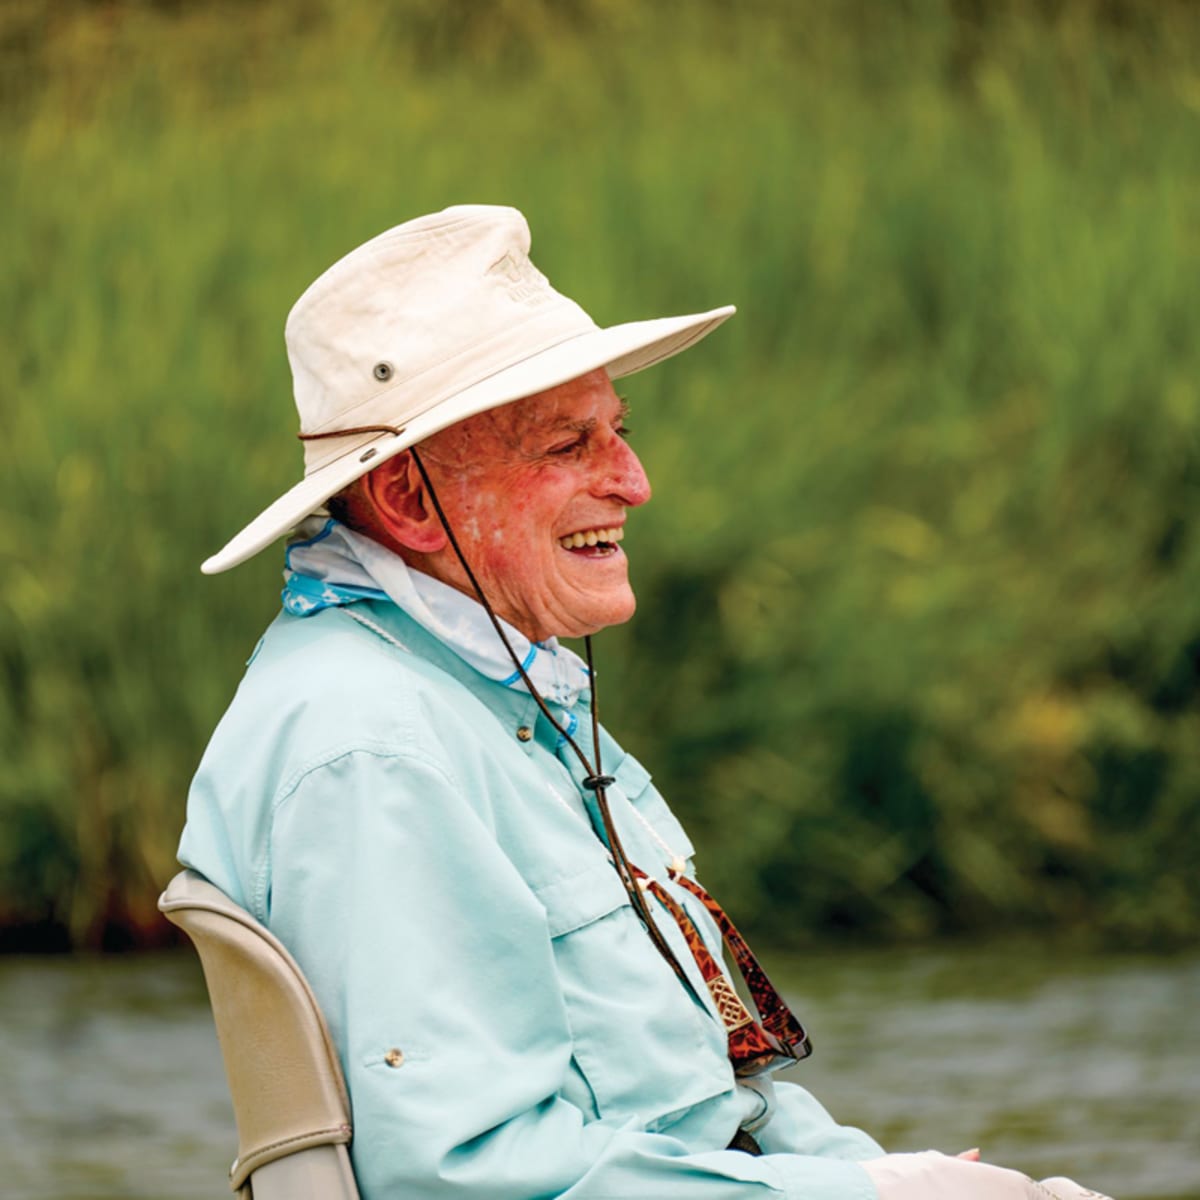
<point>756,1047</point>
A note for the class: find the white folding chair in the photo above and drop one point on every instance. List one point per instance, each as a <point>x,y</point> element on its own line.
<point>289,1096</point>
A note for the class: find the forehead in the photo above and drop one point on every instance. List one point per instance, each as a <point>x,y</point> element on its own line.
<point>577,404</point>
<point>587,398</point>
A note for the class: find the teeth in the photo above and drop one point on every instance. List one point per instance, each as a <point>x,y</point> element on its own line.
<point>593,537</point>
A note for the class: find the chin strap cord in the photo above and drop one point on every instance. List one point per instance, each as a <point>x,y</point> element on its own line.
<point>594,780</point>
<point>752,1048</point>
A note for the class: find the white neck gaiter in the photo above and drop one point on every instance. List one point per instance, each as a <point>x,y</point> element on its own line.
<point>329,565</point>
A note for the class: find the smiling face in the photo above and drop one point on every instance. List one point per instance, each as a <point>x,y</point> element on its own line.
<point>536,493</point>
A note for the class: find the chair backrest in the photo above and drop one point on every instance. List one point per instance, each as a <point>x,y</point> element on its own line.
<point>289,1096</point>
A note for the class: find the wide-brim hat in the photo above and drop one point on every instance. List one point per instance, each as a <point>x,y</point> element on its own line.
<point>429,323</point>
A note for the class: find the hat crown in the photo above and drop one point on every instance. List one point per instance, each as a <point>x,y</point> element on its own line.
<point>418,312</point>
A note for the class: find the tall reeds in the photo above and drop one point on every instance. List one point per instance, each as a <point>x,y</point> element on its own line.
<point>918,638</point>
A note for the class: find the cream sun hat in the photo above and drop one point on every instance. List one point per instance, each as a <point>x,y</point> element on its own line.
<point>433,321</point>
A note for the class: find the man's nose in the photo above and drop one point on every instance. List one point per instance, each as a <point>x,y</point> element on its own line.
<point>622,476</point>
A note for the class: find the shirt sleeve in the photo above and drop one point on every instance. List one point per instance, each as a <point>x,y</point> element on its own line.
<point>433,963</point>
<point>800,1123</point>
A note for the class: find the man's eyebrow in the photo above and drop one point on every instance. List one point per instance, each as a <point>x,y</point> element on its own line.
<point>590,423</point>
<point>585,426</point>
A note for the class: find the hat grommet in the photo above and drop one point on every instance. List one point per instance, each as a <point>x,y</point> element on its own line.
<point>383,371</point>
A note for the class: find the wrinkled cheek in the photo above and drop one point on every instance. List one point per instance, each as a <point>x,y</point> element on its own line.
<point>481,526</point>
<point>510,568</point>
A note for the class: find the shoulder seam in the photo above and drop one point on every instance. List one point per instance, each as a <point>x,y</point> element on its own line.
<point>262,872</point>
<point>345,751</point>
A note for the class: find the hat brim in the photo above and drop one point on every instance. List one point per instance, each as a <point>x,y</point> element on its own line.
<point>621,349</point>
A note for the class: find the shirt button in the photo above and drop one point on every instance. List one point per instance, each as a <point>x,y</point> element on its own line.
<point>524,734</point>
<point>394,1057</point>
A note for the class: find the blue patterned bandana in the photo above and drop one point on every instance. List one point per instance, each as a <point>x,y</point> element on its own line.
<point>329,565</point>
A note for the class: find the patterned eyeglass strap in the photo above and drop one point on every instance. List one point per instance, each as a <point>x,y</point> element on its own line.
<point>734,1014</point>
<point>777,1018</point>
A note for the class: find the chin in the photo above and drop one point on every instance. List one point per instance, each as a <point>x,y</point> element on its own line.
<point>603,617</point>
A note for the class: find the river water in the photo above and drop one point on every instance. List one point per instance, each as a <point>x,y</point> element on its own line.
<point>1057,1064</point>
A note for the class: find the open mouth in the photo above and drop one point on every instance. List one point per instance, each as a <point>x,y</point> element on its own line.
<point>593,543</point>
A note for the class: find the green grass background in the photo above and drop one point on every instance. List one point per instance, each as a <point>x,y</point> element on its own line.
<point>917,649</point>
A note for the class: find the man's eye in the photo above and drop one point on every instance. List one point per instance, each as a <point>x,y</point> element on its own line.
<point>623,431</point>
<point>567,447</point>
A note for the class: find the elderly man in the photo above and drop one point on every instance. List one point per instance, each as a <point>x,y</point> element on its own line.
<point>494,905</point>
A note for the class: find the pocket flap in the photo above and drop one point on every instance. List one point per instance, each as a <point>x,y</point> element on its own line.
<point>634,780</point>
<point>572,901</point>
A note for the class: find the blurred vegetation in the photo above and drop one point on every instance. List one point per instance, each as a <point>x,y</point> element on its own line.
<point>918,642</point>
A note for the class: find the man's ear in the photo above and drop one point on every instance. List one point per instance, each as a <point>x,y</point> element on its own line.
<point>396,492</point>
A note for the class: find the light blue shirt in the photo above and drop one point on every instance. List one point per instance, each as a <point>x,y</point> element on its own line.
<point>371,798</point>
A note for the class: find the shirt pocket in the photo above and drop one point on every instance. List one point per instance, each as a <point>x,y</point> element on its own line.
<point>639,1039</point>
<point>636,785</point>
